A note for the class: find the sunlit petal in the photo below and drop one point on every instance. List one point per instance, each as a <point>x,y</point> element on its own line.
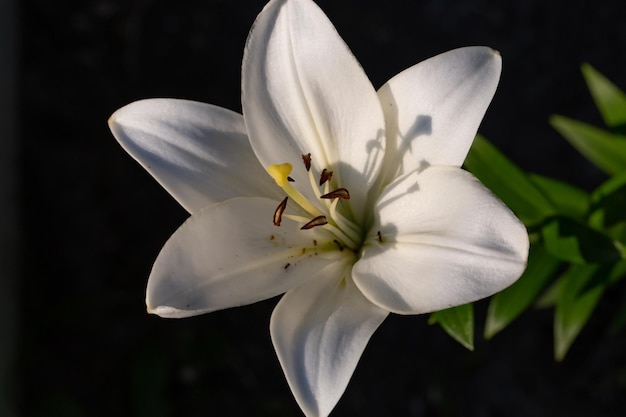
<point>433,109</point>
<point>304,92</point>
<point>444,240</point>
<point>231,254</point>
<point>198,152</point>
<point>320,330</point>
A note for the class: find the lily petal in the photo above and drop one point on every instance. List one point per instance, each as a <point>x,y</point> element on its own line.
<point>319,331</point>
<point>304,92</point>
<point>198,152</point>
<point>433,109</point>
<point>445,240</point>
<point>231,254</point>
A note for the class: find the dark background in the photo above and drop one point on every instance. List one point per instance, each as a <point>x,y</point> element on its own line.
<point>93,221</point>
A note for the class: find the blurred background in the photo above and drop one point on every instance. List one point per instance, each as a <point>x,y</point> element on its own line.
<point>81,222</point>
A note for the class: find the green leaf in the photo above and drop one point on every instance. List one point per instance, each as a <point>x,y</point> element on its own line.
<point>550,295</point>
<point>572,241</point>
<point>458,322</point>
<point>508,182</point>
<point>581,290</point>
<point>608,210</point>
<point>606,150</point>
<point>507,305</point>
<point>617,273</point>
<point>567,199</point>
<point>609,99</point>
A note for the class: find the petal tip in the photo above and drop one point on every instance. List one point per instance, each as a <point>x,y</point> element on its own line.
<point>486,54</point>
<point>116,123</point>
<point>156,310</point>
<point>496,55</point>
<point>168,312</point>
<point>113,118</point>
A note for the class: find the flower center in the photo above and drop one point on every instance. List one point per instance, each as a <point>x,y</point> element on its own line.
<point>324,211</point>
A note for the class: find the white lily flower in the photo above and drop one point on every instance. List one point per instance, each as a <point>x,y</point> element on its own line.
<point>379,216</point>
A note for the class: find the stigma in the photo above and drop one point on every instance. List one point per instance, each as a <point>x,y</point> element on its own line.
<point>280,173</point>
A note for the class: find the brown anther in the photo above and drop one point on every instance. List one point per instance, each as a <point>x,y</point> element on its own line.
<point>338,193</point>
<point>278,214</point>
<point>318,221</point>
<point>307,161</point>
<point>290,179</point>
<point>326,176</point>
<point>380,237</point>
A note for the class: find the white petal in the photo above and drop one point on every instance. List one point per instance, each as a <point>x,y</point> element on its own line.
<point>320,330</point>
<point>303,91</point>
<point>433,109</point>
<point>198,152</point>
<point>446,241</point>
<point>231,254</point>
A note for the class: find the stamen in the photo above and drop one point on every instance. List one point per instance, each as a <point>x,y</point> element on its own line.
<point>297,219</point>
<point>318,221</point>
<point>338,193</point>
<point>380,237</point>
<point>307,161</point>
<point>326,176</point>
<point>278,214</point>
<point>326,215</point>
<point>314,186</point>
<point>343,224</point>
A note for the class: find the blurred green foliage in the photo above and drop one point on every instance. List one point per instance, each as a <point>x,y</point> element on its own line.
<point>578,239</point>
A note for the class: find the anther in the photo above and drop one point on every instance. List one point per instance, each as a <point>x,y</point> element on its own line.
<point>341,193</point>
<point>289,179</point>
<point>326,176</point>
<point>380,237</point>
<point>318,221</point>
<point>278,214</point>
<point>307,161</point>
